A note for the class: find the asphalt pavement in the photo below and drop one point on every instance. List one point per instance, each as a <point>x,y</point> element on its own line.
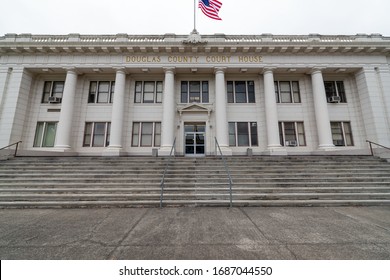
<point>267,233</point>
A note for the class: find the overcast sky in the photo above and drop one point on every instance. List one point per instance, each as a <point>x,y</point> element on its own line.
<point>330,17</point>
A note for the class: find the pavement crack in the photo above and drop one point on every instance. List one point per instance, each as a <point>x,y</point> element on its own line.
<point>256,226</point>
<point>291,251</point>
<point>127,234</point>
<point>359,221</point>
<point>98,224</point>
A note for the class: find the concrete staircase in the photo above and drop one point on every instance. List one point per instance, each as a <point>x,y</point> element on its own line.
<point>135,181</point>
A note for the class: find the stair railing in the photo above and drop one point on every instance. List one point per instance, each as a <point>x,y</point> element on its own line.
<point>162,184</point>
<point>16,144</point>
<point>373,143</point>
<point>230,180</point>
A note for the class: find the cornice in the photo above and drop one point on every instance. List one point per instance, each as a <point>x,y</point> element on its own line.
<point>170,43</point>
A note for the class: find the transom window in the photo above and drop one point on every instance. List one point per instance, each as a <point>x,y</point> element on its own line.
<point>45,134</point>
<point>241,91</point>
<point>287,92</point>
<point>292,134</point>
<point>335,92</point>
<point>52,92</point>
<point>146,134</point>
<point>341,133</point>
<point>97,134</point>
<point>194,92</point>
<point>148,92</point>
<point>243,134</point>
<point>101,92</point>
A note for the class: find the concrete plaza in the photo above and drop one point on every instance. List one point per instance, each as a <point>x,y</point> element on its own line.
<point>357,233</point>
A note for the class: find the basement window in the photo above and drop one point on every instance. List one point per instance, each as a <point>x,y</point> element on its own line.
<point>341,133</point>
<point>146,134</point>
<point>97,134</point>
<point>292,134</point>
<point>243,134</point>
<point>45,134</point>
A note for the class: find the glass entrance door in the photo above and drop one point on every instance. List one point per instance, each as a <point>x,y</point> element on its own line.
<point>195,139</point>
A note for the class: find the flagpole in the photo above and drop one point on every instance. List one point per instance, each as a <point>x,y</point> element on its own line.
<point>194,16</point>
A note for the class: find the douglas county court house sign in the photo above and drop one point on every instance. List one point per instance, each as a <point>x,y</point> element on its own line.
<point>193,59</point>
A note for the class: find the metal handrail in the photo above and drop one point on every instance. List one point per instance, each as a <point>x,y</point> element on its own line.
<point>162,184</point>
<point>370,143</point>
<point>227,171</point>
<point>13,144</point>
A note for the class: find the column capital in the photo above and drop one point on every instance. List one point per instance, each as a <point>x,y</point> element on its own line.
<point>268,70</point>
<point>120,70</point>
<point>316,70</point>
<point>169,70</point>
<point>72,70</point>
<point>219,70</point>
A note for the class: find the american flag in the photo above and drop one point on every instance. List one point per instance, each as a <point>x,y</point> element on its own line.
<point>210,8</point>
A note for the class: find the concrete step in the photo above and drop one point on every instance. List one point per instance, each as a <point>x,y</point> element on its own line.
<point>189,189</point>
<point>135,182</point>
<point>189,203</point>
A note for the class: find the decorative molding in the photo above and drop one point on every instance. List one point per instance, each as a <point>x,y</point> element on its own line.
<point>170,43</point>
<point>194,39</point>
<point>195,108</point>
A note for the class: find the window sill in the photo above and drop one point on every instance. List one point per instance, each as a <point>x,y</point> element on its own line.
<point>147,104</point>
<point>290,104</point>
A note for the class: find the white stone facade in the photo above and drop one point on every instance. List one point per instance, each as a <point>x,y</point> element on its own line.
<point>306,121</point>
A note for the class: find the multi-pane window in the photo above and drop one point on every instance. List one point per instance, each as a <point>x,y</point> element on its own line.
<point>97,134</point>
<point>194,92</point>
<point>101,92</point>
<point>146,134</point>
<point>148,92</point>
<point>287,92</point>
<point>241,92</point>
<point>341,133</point>
<point>243,134</point>
<point>292,134</point>
<point>45,134</point>
<point>335,92</point>
<point>52,92</point>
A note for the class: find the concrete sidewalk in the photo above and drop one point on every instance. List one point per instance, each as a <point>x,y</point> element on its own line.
<point>196,233</point>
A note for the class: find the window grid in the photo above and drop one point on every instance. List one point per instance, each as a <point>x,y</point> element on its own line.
<point>241,92</point>
<point>52,89</point>
<point>342,134</point>
<point>243,134</point>
<point>292,134</point>
<point>194,92</point>
<point>148,92</point>
<point>146,134</point>
<point>45,134</point>
<point>335,89</point>
<point>97,134</point>
<point>287,92</point>
<point>101,92</point>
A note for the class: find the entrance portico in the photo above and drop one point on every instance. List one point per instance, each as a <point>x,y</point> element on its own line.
<point>195,131</point>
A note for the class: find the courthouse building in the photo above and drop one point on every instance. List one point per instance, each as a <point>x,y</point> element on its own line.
<point>136,94</point>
